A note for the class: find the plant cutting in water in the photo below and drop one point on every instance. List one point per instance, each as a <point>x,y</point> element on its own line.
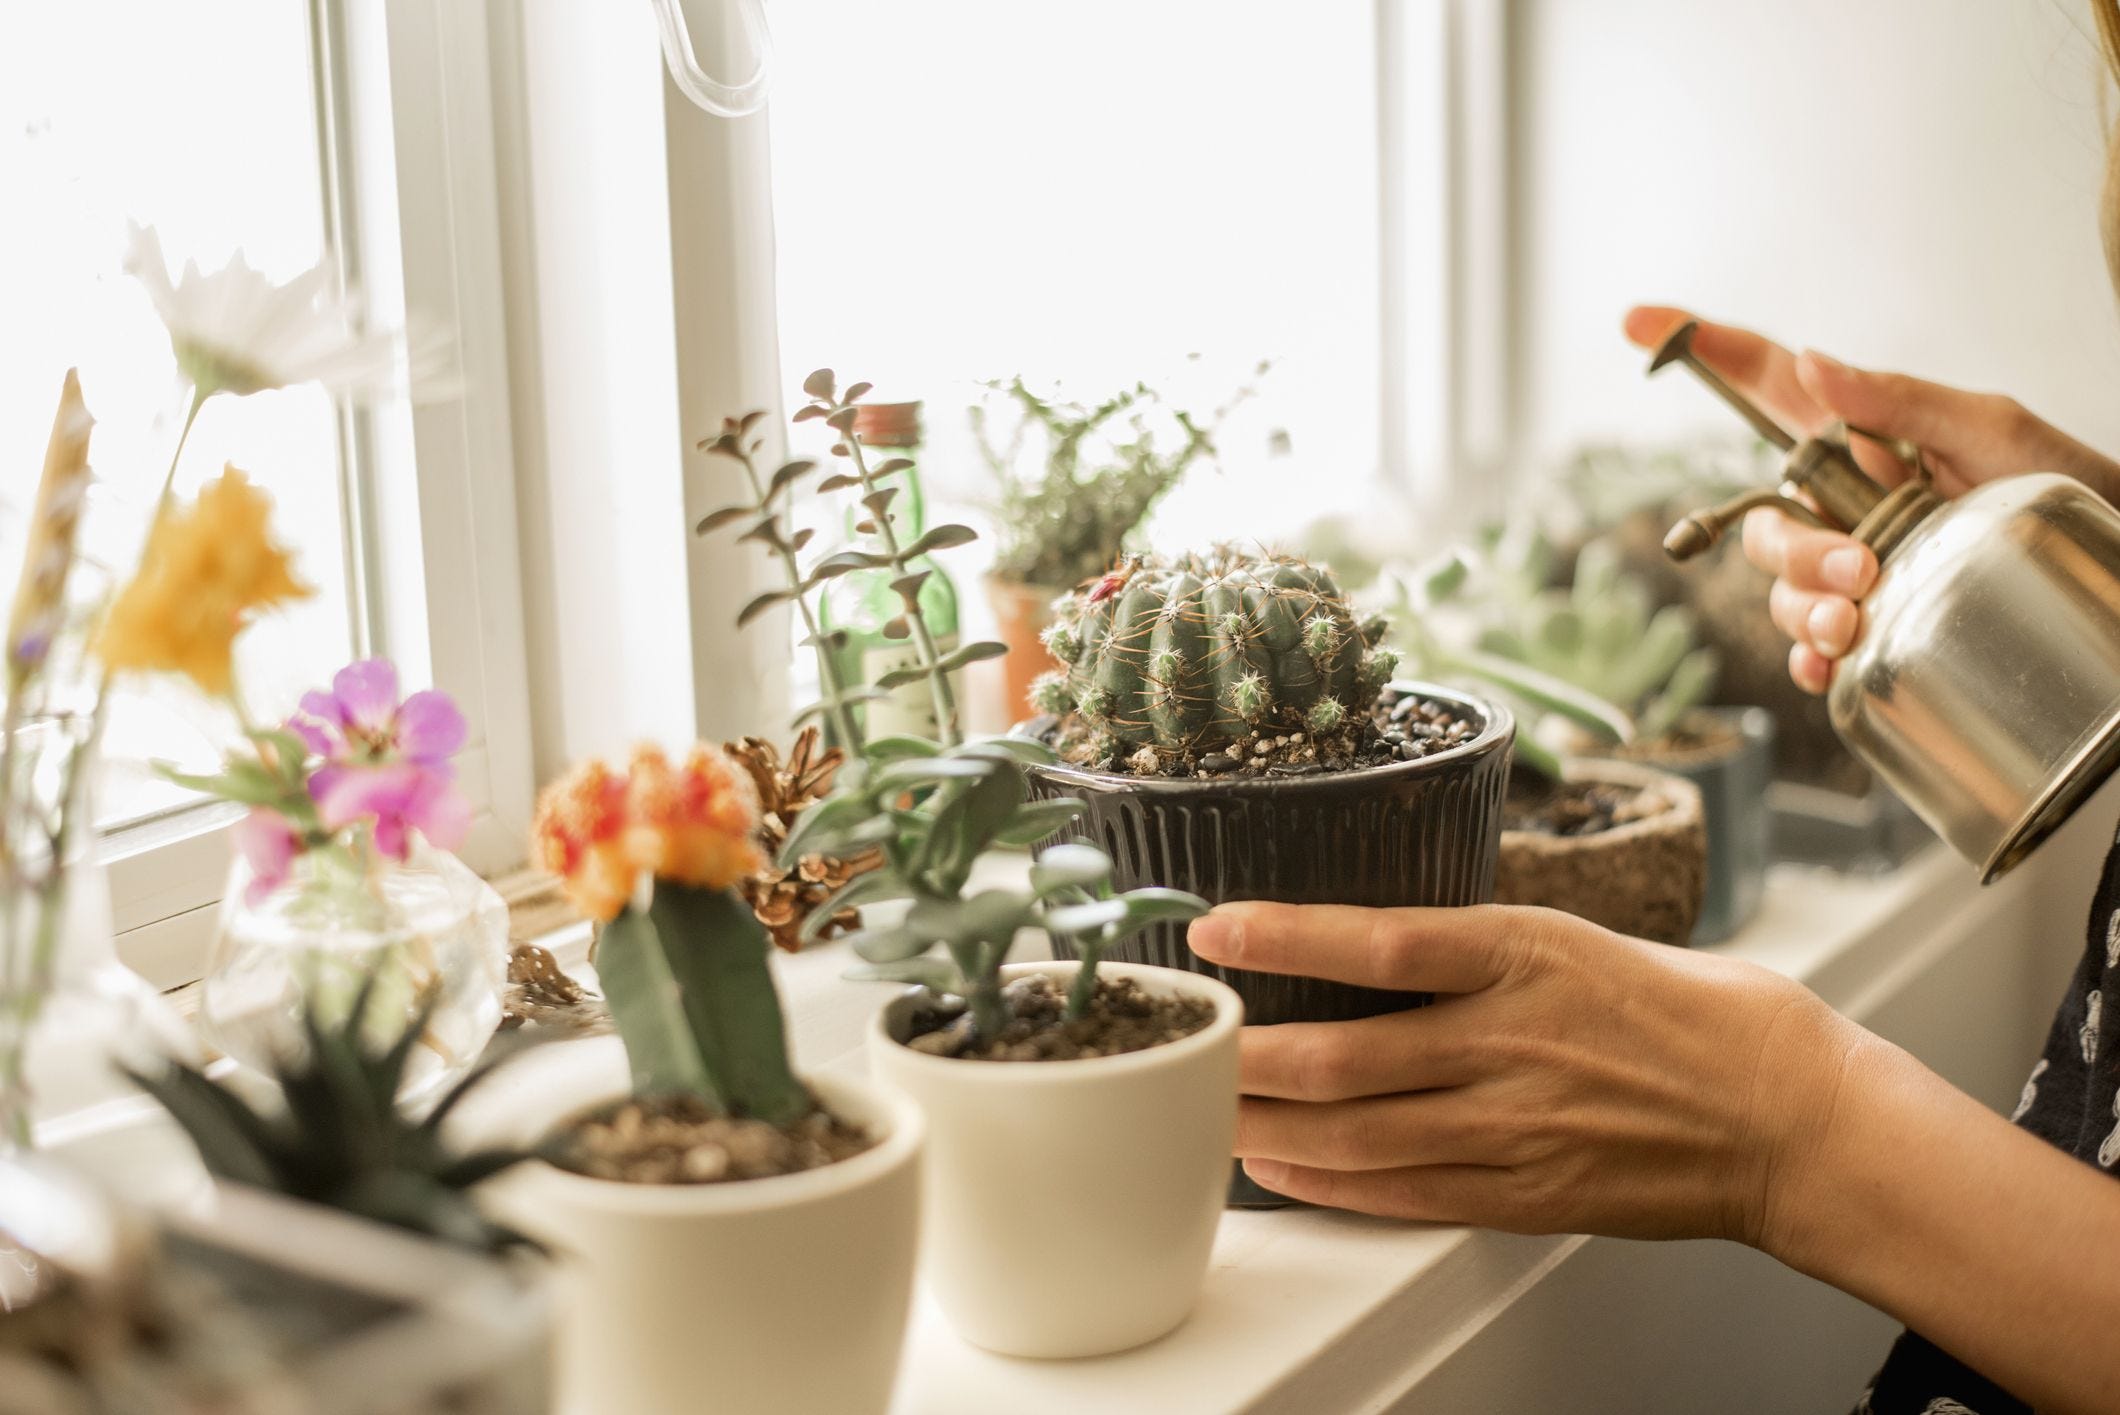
<point>204,572</point>
<point>931,809</point>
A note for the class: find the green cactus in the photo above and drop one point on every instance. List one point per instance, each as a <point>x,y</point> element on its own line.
<point>1198,652</point>
<point>693,997</point>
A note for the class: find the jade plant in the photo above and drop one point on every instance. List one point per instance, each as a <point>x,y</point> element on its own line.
<point>1193,653</point>
<point>1104,467</point>
<point>340,1139</point>
<point>931,809</point>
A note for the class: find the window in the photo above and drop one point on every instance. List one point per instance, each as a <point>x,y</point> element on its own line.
<point>276,129</point>
<point>966,191</point>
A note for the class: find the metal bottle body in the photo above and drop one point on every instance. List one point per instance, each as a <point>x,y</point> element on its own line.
<point>1985,686</point>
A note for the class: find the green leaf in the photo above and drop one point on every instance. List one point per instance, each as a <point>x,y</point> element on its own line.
<point>819,385</point>
<point>942,537</point>
<point>761,604</point>
<point>990,916</point>
<point>833,816</point>
<point>1070,866</point>
<point>935,974</point>
<point>1035,820</point>
<point>1092,917</point>
<point>855,392</point>
<point>883,749</point>
<point>971,653</point>
<point>846,562</point>
<point>841,420</point>
<point>1532,753</point>
<point>896,627</point>
<point>891,944</point>
<point>809,414</point>
<point>908,587</point>
<point>875,887</point>
<point>788,475</point>
<point>840,842</point>
<point>244,782</point>
<point>232,1140</point>
<point>965,825</point>
<point>899,677</point>
<point>877,500</point>
<point>892,466</point>
<point>839,481</point>
<point>1155,905</point>
<point>1008,748</point>
<point>1543,690</point>
<point>905,772</point>
<point>715,520</point>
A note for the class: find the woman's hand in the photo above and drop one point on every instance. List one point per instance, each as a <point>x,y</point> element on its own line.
<point>1572,1081</point>
<point>1970,438</point>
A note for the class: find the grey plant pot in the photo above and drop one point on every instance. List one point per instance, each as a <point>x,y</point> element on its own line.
<point>1734,804</point>
<point>1406,833</point>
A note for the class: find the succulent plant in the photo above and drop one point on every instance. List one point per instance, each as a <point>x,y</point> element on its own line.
<point>1196,652</point>
<point>930,810</point>
<point>341,1140</point>
<point>1105,467</point>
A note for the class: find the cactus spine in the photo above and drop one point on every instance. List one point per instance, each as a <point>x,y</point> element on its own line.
<point>1195,653</point>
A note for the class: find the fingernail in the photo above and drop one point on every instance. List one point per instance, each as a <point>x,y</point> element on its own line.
<point>1214,936</point>
<point>1830,626</point>
<point>1267,1172</point>
<point>1846,569</point>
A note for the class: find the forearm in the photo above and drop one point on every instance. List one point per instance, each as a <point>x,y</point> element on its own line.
<point>1991,1243</point>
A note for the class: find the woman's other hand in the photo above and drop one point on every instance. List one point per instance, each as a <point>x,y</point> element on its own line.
<point>1568,1081</point>
<point>1970,438</point>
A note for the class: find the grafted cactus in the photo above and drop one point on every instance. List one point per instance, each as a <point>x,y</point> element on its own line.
<point>1195,653</point>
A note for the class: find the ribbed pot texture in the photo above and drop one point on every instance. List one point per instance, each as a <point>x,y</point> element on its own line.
<point>1407,833</point>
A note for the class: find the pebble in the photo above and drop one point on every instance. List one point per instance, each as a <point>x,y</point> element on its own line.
<point>1216,761</point>
<point>1262,749</point>
<point>1409,751</point>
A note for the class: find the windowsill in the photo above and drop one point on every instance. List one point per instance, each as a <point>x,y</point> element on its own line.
<point>1312,1311</point>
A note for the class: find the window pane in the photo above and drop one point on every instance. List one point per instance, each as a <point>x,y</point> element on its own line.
<point>1093,193</point>
<point>201,121</point>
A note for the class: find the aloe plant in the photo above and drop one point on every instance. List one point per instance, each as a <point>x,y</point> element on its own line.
<point>340,1139</point>
<point>931,808</point>
<point>1598,654</point>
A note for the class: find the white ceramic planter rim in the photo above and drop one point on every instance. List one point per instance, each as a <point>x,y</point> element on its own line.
<point>1229,1016</point>
<point>905,1130</point>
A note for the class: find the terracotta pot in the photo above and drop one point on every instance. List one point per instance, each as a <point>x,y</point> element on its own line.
<point>1021,613</point>
<point>1644,878</point>
<point>1071,1205</point>
<point>711,1296</point>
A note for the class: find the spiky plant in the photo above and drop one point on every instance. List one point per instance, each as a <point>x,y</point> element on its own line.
<point>1198,652</point>
<point>339,1138</point>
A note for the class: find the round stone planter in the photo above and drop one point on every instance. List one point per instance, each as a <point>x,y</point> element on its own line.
<point>1644,878</point>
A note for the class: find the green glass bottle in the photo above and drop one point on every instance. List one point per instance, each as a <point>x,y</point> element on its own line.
<point>863,602</point>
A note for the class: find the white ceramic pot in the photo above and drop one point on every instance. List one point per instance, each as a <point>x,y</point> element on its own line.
<point>785,1294</point>
<point>1072,1205</point>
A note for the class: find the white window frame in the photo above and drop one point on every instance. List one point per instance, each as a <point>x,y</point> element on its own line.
<point>406,136</point>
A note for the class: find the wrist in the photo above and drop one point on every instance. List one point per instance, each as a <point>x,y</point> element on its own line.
<point>1816,1068</point>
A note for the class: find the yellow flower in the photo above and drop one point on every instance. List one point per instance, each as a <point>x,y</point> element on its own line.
<point>692,825</point>
<point>206,573</point>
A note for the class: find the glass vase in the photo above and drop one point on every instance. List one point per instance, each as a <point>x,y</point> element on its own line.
<point>425,932</point>
<point>73,1018</point>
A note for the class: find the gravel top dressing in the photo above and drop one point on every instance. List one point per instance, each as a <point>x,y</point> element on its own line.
<point>1121,1018</point>
<point>679,1140</point>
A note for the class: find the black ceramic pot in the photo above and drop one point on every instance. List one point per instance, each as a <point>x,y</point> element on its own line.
<point>1420,832</point>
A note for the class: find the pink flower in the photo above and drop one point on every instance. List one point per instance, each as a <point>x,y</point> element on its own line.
<point>268,844</point>
<point>399,798</point>
<point>385,761</point>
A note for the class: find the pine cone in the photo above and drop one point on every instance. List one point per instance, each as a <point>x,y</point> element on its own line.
<point>784,899</point>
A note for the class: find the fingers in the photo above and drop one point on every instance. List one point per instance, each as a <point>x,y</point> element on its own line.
<point>1412,950</point>
<point>1443,1193</point>
<point>1809,669</point>
<point>1811,560</point>
<point>1828,623</point>
<point>1756,366</point>
<point>1378,1132</point>
<point>1375,1056</point>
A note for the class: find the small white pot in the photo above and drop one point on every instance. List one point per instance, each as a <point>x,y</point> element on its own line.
<point>765,1294</point>
<point>1072,1205</point>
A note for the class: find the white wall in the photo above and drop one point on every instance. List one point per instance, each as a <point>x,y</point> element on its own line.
<point>1911,183</point>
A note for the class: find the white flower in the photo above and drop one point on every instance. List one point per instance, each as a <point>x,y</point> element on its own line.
<point>234,331</point>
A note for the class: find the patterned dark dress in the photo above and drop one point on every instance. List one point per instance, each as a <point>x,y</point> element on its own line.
<point>2071,1101</point>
